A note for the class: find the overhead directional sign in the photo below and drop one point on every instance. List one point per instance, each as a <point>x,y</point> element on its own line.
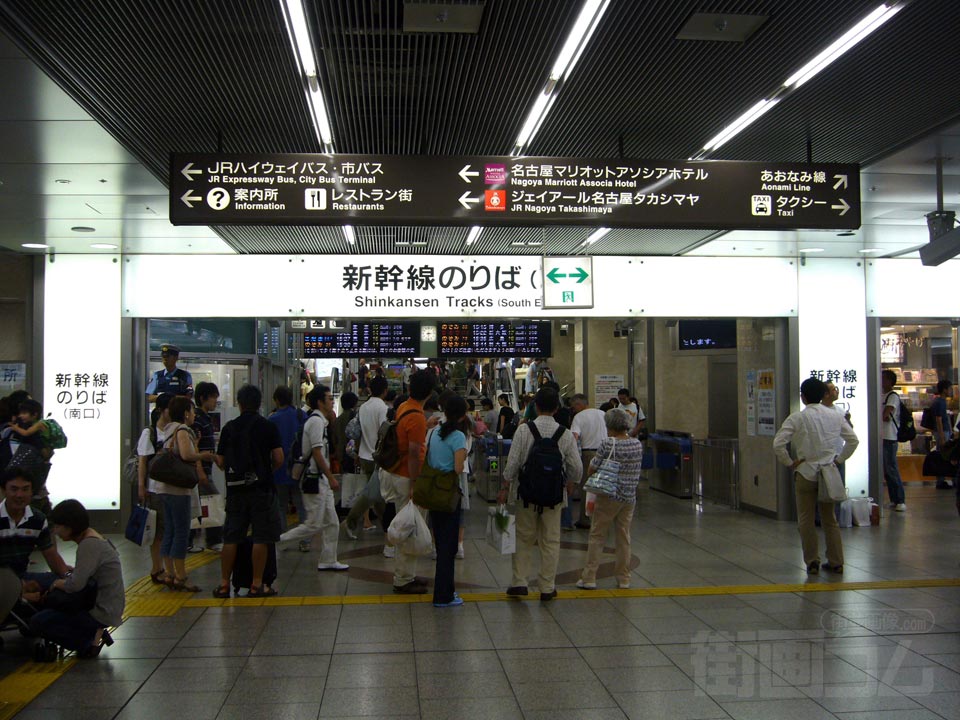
<point>567,282</point>
<point>208,189</point>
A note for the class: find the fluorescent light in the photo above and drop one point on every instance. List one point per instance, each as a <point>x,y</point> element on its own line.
<point>296,23</point>
<point>473,234</point>
<point>34,246</point>
<point>321,122</point>
<point>810,250</point>
<point>103,246</point>
<point>596,235</point>
<point>349,234</point>
<point>870,250</point>
<point>850,38</point>
<point>578,38</point>
<point>534,118</point>
<point>740,123</point>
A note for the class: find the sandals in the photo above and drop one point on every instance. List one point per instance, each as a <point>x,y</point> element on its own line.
<point>158,578</point>
<point>221,591</point>
<point>181,585</point>
<point>258,591</point>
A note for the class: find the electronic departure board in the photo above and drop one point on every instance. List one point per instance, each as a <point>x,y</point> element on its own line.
<point>494,339</point>
<point>366,339</point>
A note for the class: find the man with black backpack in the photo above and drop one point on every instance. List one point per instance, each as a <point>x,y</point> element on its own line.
<point>895,427</point>
<point>542,457</point>
<point>249,452</point>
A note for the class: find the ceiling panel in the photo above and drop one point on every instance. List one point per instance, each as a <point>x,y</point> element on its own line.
<point>220,75</point>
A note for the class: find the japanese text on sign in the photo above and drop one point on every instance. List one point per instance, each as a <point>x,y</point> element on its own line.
<point>80,394</point>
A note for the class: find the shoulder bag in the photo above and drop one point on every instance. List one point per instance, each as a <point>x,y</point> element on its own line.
<point>437,490</point>
<point>830,486</point>
<point>167,467</point>
<point>606,478</point>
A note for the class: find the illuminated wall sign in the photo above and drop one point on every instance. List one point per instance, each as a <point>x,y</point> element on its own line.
<point>365,339</point>
<point>892,348</point>
<point>842,359</point>
<point>568,282</point>
<point>495,339</point>
<point>208,189</point>
<point>706,334</point>
<point>81,377</point>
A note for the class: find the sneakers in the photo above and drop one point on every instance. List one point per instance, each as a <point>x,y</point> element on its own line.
<point>623,586</point>
<point>389,551</point>
<point>304,546</point>
<point>347,530</point>
<point>586,585</point>
<point>547,597</point>
<point>195,549</point>
<point>216,548</point>
<point>411,588</point>
<point>517,591</point>
<point>827,567</point>
<point>460,551</point>
<point>333,566</point>
<point>456,602</point>
<point>900,507</point>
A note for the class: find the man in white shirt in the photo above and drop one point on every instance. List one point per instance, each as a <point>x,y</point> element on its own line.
<point>637,419</point>
<point>812,434</point>
<point>373,413</point>
<point>318,484</point>
<point>590,429</point>
<point>891,416</point>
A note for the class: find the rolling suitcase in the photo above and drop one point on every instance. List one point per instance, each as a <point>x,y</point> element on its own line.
<point>242,575</point>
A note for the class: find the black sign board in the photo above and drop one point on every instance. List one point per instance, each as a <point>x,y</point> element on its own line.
<point>494,339</point>
<point>706,334</point>
<point>365,339</point>
<point>308,189</point>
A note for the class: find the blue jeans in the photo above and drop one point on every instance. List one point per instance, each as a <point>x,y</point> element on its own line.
<point>891,473</point>
<point>176,526</point>
<point>74,632</point>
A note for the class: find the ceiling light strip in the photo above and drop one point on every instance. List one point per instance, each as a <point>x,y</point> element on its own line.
<point>573,47</point>
<point>828,55</point>
<point>298,34</point>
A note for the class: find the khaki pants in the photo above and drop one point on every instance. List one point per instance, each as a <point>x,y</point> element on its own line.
<point>807,502</point>
<point>544,530</point>
<point>610,512</point>
<point>585,457</point>
<point>396,489</point>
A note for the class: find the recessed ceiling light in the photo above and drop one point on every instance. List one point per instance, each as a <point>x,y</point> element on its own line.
<point>62,181</point>
<point>810,250</point>
<point>103,246</point>
<point>34,246</point>
<point>870,250</point>
<point>83,229</point>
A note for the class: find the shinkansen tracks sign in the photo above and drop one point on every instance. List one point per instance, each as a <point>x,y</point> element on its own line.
<point>218,189</point>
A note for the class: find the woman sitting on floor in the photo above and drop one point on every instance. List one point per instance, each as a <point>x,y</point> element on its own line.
<point>97,560</point>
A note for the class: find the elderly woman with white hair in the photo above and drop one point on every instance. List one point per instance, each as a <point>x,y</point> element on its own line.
<point>617,508</point>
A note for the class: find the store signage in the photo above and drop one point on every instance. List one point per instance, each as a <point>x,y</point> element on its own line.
<point>495,339</point>
<point>365,339</point>
<point>288,189</point>
<point>892,348</point>
<point>567,282</point>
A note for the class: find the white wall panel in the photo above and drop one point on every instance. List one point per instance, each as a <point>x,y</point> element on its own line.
<point>904,288</point>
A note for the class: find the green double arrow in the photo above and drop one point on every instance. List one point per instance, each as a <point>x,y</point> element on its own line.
<point>554,275</point>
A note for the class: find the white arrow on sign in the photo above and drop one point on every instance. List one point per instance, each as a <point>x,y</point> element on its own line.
<point>466,173</point>
<point>188,173</point>
<point>189,199</point>
<point>841,181</point>
<point>842,207</point>
<point>466,200</point>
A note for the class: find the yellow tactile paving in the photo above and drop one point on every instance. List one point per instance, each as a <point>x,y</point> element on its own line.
<point>27,682</point>
<point>166,603</point>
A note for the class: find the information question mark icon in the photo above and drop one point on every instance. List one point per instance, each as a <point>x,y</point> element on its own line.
<point>218,198</point>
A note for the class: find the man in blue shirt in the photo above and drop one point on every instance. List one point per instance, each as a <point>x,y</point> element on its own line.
<point>171,379</point>
<point>288,420</point>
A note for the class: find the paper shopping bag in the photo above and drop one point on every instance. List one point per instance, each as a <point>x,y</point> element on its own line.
<point>142,526</point>
<point>502,531</point>
<point>212,513</point>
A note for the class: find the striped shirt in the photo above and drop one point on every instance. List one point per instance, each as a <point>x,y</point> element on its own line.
<point>18,541</point>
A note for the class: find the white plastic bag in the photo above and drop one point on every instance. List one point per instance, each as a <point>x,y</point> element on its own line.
<point>351,486</point>
<point>212,513</point>
<point>403,525</point>
<point>844,513</point>
<point>861,511</point>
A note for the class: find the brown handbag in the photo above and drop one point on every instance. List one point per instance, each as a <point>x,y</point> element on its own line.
<point>167,467</point>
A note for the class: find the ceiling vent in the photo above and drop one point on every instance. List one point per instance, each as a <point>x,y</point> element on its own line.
<point>441,18</point>
<point>720,27</point>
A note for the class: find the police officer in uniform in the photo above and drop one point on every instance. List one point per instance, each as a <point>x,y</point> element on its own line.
<point>171,379</point>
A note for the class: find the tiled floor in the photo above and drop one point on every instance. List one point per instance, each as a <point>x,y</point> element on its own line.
<point>844,653</point>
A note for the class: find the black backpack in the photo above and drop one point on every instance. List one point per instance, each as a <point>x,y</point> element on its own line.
<point>510,427</point>
<point>906,430</point>
<point>542,478</point>
<point>387,452</point>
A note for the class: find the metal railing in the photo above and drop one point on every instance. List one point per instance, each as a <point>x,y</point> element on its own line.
<point>716,470</point>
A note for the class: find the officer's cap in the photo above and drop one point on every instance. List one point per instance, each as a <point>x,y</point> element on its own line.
<point>169,350</point>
